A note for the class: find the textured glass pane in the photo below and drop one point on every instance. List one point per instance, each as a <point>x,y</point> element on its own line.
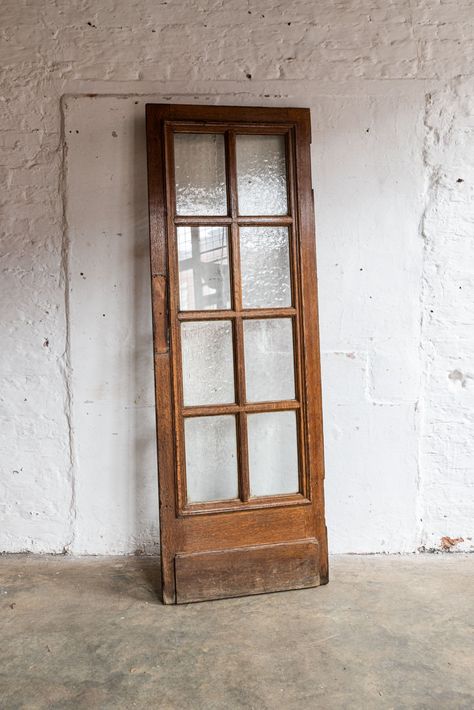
<point>211,458</point>
<point>208,372</point>
<point>273,453</point>
<point>268,345</point>
<point>203,268</point>
<point>199,166</point>
<point>265,265</point>
<point>261,175</point>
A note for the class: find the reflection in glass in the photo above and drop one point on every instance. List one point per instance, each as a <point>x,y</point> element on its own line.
<point>211,458</point>
<point>268,347</point>
<point>203,262</point>
<point>265,266</point>
<point>208,372</point>
<point>273,453</point>
<point>199,166</point>
<point>261,175</point>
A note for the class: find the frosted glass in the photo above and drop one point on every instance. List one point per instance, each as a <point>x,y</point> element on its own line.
<point>208,372</point>
<point>199,167</point>
<point>265,267</point>
<point>203,262</point>
<point>273,453</point>
<point>211,458</point>
<point>268,347</point>
<point>261,175</point>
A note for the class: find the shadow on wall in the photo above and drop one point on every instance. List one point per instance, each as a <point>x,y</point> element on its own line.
<point>110,324</point>
<point>143,414</point>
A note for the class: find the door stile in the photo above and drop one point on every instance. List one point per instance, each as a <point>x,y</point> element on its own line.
<point>161,354</point>
<point>311,357</point>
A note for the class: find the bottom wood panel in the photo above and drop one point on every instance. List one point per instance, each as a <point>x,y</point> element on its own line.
<point>246,570</point>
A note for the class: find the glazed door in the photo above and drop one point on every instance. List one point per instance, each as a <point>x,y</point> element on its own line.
<point>236,352</point>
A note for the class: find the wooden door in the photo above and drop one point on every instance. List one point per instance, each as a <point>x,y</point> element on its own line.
<point>236,351</point>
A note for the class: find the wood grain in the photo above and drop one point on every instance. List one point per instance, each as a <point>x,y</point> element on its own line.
<point>246,570</point>
<point>208,530</point>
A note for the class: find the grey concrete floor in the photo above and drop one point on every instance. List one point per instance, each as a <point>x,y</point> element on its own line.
<point>387,632</point>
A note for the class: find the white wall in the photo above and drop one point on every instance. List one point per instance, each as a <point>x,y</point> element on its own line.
<point>390,90</point>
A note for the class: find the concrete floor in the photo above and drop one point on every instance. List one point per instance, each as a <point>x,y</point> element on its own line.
<point>387,632</point>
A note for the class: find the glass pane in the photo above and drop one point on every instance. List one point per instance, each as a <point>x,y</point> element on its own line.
<point>203,268</point>
<point>265,266</point>
<point>261,175</point>
<point>208,371</point>
<point>199,166</point>
<point>268,346</point>
<point>273,453</point>
<point>211,458</point>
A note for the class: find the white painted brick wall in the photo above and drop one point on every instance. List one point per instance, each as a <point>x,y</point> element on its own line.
<point>390,88</point>
<point>447,400</point>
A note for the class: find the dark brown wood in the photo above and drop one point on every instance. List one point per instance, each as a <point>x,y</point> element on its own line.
<point>160,313</point>
<point>213,527</point>
<point>224,506</point>
<point>263,221</point>
<point>205,410</point>
<point>225,315</point>
<point>197,126</point>
<point>239,368</point>
<point>266,522</point>
<point>246,570</point>
<point>162,360</point>
<point>310,325</point>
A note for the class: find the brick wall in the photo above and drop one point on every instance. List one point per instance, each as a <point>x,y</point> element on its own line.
<point>389,85</point>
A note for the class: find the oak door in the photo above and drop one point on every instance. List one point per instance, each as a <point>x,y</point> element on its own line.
<point>236,351</point>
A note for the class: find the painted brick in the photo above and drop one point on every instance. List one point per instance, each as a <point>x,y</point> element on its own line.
<point>390,88</point>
